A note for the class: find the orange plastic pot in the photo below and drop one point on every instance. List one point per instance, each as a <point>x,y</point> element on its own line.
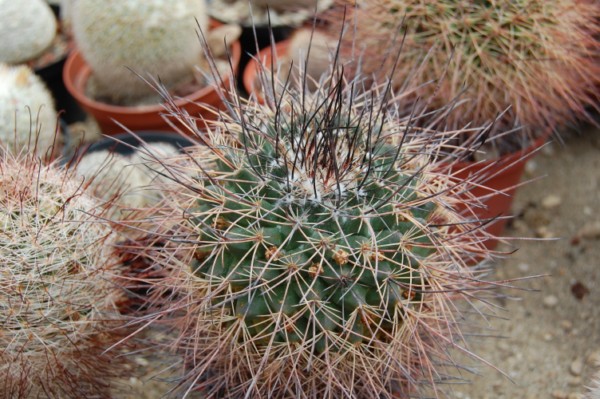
<point>148,117</point>
<point>497,182</point>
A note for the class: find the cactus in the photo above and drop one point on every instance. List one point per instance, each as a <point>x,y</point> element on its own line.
<point>261,12</point>
<point>315,252</point>
<point>314,46</point>
<point>128,181</point>
<point>56,297</point>
<point>26,108</point>
<point>154,37</point>
<point>26,28</point>
<point>538,59</point>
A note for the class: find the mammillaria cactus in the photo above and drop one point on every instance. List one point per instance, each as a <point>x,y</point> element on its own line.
<point>315,252</point>
<point>538,59</point>
<point>260,12</point>
<point>27,28</point>
<point>56,297</point>
<point>154,37</point>
<point>26,107</point>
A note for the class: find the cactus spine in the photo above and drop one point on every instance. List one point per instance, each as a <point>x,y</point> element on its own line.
<point>56,296</point>
<point>26,108</point>
<point>27,28</point>
<point>154,37</point>
<point>318,254</point>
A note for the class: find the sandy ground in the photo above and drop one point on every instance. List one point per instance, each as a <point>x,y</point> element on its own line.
<point>551,334</point>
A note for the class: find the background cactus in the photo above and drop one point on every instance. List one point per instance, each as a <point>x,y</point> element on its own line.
<point>26,111</point>
<point>538,58</point>
<point>27,29</point>
<point>56,297</point>
<point>282,12</point>
<point>154,37</point>
<point>315,252</point>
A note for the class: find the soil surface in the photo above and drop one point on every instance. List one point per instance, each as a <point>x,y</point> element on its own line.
<point>546,337</point>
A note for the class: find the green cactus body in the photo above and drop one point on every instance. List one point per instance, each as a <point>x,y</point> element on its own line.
<point>152,37</point>
<point>26,107</point>
<point>317,234</point>
<point>27,28</point>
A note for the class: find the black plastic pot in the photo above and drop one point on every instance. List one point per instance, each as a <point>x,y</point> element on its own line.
<point>126,143</point>
<point>249,42</point>
<point>52,76</point>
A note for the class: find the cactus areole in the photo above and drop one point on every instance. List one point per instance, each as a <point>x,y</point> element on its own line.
<point>317,230</point>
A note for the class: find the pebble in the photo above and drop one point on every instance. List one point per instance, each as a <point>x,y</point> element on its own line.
<point>575,395</point>
<point>544,232</point>
<point>593,359</point>
<point>552,201</point>
<point>576,367</point>
<point>550,301</point>
<point>574,381</point>
<point>566,325</point>
<point>590,230</point>
<point>523,267</point>
<point>559,395</point>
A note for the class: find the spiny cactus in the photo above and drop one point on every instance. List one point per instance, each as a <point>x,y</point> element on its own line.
<point>538,58</point>
<point>57,302</point>
<point>315,252</point>
<point>27,28</point>
<point>26,109</point>
<point>155,37</point>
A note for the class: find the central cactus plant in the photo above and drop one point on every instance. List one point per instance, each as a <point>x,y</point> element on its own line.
<point>313,250</point>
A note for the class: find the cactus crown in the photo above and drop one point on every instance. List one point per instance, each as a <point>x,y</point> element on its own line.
<point>317,231</point>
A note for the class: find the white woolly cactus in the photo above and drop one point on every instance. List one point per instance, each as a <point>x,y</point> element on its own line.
<point>155,37</point>
<point>27,28</point>
<point>57,301</point>
<point>26,108</point>
<point>128,180</point>
<point>309,55</point>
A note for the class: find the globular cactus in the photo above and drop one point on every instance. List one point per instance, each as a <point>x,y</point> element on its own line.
<point>261,12</point>
<point>152,37</point>
<point>126,180</point>
<point>536,59</point>
<point>26,108</point>
<point>309,54</point>
<point>315,252</point>
<point>57,301</point>
<point>27,29</point>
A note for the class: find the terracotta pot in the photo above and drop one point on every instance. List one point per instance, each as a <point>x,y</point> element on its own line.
<point>265,57</point>
<point>498,181</point>
<point>148,117</point>
<point>249,41</point>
